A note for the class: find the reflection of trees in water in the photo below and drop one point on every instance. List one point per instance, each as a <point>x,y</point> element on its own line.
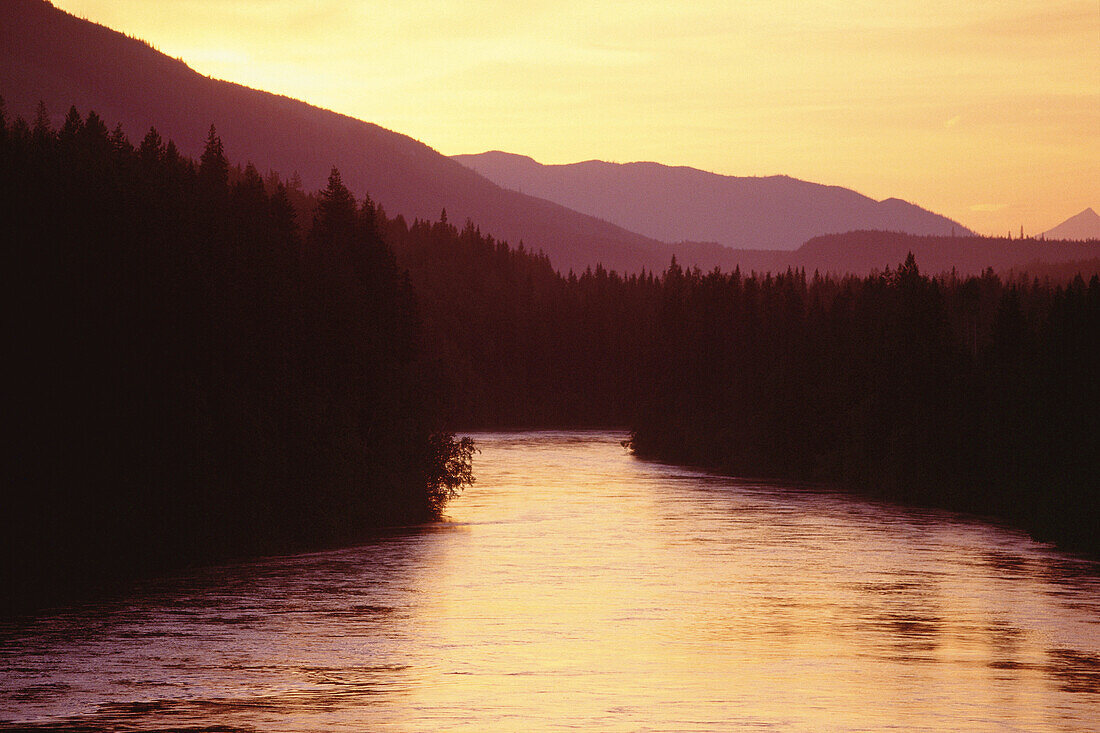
<point>267,640</point>
<point>1075,671</point>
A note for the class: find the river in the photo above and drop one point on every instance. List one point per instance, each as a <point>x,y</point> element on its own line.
<point>574,587</point>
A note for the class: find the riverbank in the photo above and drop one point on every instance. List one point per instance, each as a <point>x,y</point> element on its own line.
<point>974,394</point>
<point>575,586</point>
<point>1045,518</point>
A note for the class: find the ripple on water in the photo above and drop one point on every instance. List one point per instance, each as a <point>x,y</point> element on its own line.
<point>574,587</point>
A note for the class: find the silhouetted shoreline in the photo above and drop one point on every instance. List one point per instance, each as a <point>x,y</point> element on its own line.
<point>197,379</point>
<point>971,394</point>
<point>193,378</point>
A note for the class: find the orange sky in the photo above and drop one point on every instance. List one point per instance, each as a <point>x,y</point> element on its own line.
<point>986,111</point>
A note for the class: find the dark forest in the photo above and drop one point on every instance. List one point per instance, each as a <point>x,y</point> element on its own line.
<point>212,363</point>
<point>974,393</point>
<point>193,376</point>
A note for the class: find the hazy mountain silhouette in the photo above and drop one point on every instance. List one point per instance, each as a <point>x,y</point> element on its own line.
<point>49,55</point>
<point>861,252</point>
<point>1085,225</point>
<point>674,204</point>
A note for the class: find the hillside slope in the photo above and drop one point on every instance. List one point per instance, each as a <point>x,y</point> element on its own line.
<point>1085,225</point>
<point>675,204</point>
<point>48,55</point>
<point>862,252</point>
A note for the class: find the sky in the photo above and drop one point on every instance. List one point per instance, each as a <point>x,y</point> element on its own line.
<point>986,111</point>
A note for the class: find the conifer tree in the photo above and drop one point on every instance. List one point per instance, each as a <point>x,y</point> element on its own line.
<point>71,128</point>
<point>42,132</point>
<point>151,149</point>
<point>213,165</point>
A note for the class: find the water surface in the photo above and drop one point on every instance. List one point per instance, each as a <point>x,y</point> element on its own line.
<point>577,588</point>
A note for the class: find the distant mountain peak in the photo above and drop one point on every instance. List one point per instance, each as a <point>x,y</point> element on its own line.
<point>503,155</point>
<point>1085,225</point>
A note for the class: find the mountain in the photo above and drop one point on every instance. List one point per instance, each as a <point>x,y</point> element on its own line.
<point>1085,225</point>
<point>861,252</point>
<point>674,204</point>
<point>49,55</point>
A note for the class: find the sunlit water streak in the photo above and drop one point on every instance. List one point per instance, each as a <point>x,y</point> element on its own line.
<point>577,588</point>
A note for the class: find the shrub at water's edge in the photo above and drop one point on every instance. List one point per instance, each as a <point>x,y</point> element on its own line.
<point>450,468</point>
<point>193,378</point>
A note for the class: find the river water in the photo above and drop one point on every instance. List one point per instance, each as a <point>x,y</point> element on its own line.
<point>575,587</point>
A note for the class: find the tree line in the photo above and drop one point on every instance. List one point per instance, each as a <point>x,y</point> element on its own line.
<point>194,376</point>
<point>971,393</point>
<point>975,393</point>
<point>208,362</point>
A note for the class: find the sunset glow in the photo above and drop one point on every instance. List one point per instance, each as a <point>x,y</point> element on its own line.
<point>986,112</point>
<point>438,365</point>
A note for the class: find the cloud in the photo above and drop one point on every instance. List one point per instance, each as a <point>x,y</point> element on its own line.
<point>953,121</point>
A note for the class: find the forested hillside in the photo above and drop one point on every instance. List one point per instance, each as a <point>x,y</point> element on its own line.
<point>208,363</point>
<point>49,55</point>
<point>972,393</point>
<point>191,375</point>
<point>976,393</point>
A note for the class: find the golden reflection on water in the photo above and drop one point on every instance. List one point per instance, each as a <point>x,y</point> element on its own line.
<point>574,587</point>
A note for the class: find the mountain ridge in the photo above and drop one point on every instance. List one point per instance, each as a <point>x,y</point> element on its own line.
<point>52,56</point>
<point>681,203</point>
